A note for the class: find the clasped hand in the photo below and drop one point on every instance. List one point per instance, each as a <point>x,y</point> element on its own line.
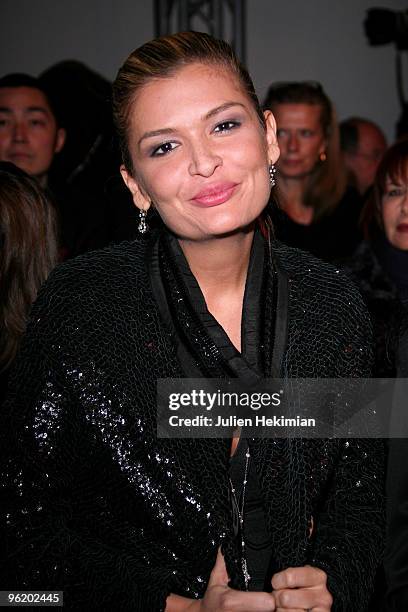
<point>295,589</point>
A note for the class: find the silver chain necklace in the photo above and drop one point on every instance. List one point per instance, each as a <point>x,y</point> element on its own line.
<point>244,565</point>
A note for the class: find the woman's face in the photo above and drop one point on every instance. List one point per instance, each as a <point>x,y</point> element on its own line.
<point>301,138</point>
<point>199,153</point>
<point>395,211</point>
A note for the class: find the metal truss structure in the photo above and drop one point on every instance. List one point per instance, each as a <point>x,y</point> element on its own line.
<point>222,18</point>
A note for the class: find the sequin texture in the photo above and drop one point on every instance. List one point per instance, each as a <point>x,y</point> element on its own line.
<point>101,508</point>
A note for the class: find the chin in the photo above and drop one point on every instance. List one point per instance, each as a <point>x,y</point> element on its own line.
<point>215,232</point>
<point>227,226</point>
<point>292,172</point>
<point>402,245</point>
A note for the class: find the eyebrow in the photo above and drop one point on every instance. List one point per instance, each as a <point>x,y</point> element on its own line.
<point>211,113</point>
<point>30,109</point>
<point>221,108</point>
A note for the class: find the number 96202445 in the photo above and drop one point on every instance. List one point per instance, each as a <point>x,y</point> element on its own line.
<point>22,598</point>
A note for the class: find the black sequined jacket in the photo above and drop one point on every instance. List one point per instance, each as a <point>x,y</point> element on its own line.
<point>96,505</point>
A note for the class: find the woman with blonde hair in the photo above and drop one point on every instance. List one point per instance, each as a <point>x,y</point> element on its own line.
<point>320,211</point>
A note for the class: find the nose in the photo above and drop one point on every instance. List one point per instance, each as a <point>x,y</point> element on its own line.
<point>19,132</point>
<point>204,159</point>
<point>293,142</point>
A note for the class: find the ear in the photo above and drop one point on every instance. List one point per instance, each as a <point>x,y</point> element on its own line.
<point>60,140</point>
<point>140,199</point>
<point>272,142</point>
<point>325,144</point>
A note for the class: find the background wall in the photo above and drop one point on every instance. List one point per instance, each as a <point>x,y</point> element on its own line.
<point>286,40</point>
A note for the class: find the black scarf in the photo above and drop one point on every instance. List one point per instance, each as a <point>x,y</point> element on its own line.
<point>203,346</point>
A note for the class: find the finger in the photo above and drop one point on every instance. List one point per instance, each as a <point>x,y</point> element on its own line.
<point>219,574</point>
<point>296,598</point>
<point>241,601</point>
<point>314,598</point>
<point>296,577</point>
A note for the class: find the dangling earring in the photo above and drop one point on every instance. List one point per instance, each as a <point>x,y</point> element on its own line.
<point>272,172</point>
<point>322,156</point>
<point>142,227</point>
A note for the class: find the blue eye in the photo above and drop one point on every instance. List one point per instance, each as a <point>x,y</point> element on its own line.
<point>306,133</point>
<point>163,149</point>
<point>226,126</point>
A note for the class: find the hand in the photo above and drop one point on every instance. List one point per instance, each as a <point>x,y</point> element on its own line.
<point>219,597</point>
<point>297,589</point>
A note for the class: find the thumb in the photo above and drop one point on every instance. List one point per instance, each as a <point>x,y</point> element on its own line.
<point>219,574</point>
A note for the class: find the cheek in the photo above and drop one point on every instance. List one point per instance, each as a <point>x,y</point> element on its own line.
<point>5,139</point>
<point>314,148</point>
<point>51,140</point>
<point>163,183</point>
<point>164,186</point>
<point>43,142</point>
<point>389,216</point>
<point>250,155</point>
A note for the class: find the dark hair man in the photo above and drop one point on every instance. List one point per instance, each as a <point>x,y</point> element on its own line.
<point>29,132</point>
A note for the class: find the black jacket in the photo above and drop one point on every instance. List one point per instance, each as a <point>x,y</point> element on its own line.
<point>333,237</point>
<point>383,303</point>
<point>396,558</point>
<point>97,505</point>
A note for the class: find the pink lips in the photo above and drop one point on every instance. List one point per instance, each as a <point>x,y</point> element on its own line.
<point>214,195</point>
<point>402,227</point>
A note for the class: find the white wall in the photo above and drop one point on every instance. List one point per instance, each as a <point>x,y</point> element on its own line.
<point>37,33</point>
<point>286,39</point>
<point>324,40</point>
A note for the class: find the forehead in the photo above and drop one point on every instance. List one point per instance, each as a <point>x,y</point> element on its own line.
<point>371,136</point>
<point>297,115</point>
<point>399,173</point>
<point>23,98</point>
<point>190,92</point>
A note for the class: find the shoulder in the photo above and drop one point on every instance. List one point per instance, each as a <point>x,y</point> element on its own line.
<point>99,271</point>
<point>368,274</point>
<point>309,275</point>
<point>327,319</point>
<point>351,197</point>
<point>364,263</point>
<point>93,266</point>
<point>321,296</point>
<point>91,284</point>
